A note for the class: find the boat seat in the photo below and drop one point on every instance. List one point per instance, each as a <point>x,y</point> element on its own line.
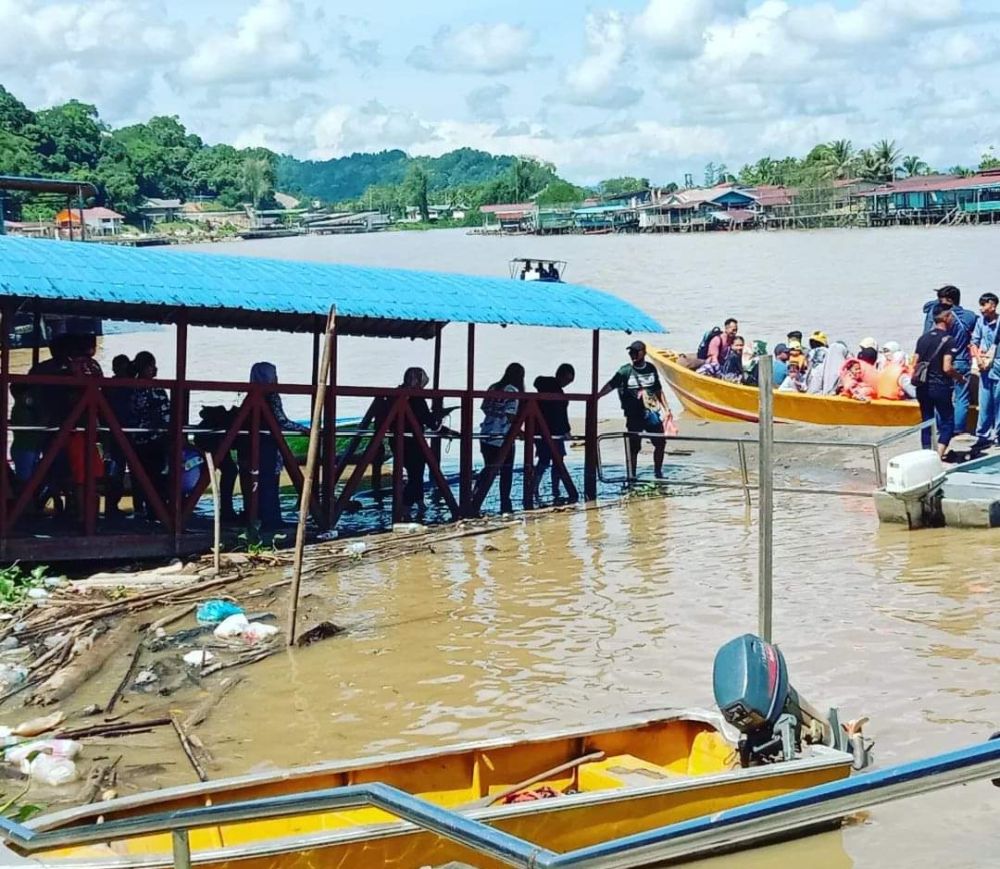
<point>621,771</point>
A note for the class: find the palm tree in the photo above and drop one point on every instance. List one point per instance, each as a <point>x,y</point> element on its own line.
<point>888,156</point>
<point>913,165</point>
<point>838,158</point>
<point>256,179</point>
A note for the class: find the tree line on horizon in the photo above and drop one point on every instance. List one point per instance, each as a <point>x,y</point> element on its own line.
<point>161,159</point>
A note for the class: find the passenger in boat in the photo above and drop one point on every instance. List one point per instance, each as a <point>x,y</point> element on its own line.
<point>82,350</point>
<point>868,362</point>
<point>641,396</point>
<point>815,359</point>
<point>894,375</point>
<point>732,366</point>
<point>119,399</point>
<point>498,414</point>
<point>150,413</point>
<point>983,350</point>
<point>796,356</point>
<point>851,382</point>
<point>934,373</point>
<point>269,456</point>
<point>531,273</point>
<point>963,325</point>
<point>556,416</point>
<point>824,379</point>
<point>779,367</point>
<point>553,272</point>
<point>795,379</point>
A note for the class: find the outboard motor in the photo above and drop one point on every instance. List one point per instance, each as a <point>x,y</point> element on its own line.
<point>750,681</point>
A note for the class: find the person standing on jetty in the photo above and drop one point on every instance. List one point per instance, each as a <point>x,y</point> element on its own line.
<point>641,396</point>
<point>963,324</point>
<point>983,349</point>
<point>934,374</point>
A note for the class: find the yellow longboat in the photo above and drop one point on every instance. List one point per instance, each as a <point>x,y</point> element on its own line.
<point>721,401</point>
<point>639,774</point>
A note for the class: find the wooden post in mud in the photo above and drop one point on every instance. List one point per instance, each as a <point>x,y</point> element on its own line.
<point>307,482</point>
<point>765,495</point>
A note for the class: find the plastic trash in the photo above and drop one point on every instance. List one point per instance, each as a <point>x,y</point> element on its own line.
<point>145,677</point>
<point>359,547</point>
<point>37,593</point>
<point>50,770</point>
<point>232,627</point>
<point>211,612</point>
<point>257,631</point>
<point>12,675</point>
<point>327,535</point>
<point>408,527</point>
<point>198,658</point>
<point>53,640</point>
<point>66,749</point>
<point>44,724</point>
<point>8,643</point>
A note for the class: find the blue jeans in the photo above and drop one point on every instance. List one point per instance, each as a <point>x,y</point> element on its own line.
<point>936,401</point>
<point>961,395</point>
<point>989,403</point>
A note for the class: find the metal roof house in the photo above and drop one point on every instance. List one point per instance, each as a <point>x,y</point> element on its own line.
<point>187,289</point>
<point>937,198</point>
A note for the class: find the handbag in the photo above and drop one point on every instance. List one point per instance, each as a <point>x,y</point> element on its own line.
<point>922,371</point>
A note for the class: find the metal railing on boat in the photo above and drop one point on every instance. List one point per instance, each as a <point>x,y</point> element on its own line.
<point>741,443</point>
<point>764,819</point>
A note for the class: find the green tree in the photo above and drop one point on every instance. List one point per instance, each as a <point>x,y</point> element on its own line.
<point>912,165</point>
<point>561,192</point>
<point>989,160</point>
<point>838,158</point>
<point>257,179</point>
<point>624,184</point>
<point>69,136</point>
<point>416,187</point>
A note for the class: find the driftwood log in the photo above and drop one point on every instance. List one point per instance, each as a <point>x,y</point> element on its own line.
<point>64,682</point>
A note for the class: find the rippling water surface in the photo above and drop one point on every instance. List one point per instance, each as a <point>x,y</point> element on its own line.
<point>560,621</point>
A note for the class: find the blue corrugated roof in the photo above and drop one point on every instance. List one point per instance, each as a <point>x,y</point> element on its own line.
<point>218,289</point>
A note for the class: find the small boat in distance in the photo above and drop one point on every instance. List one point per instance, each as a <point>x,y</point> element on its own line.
<point>722,401</point>
<point>548,270</point>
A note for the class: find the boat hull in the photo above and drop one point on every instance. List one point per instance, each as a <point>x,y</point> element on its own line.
<point>721,401</point>
<point>653,773</point>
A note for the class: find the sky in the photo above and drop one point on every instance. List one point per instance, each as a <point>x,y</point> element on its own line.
<point>654,88</point>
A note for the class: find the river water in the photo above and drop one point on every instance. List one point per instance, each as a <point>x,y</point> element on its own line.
<point>562,620</point>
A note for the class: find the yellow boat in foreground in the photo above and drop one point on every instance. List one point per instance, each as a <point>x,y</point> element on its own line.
<point>721,401</point>
<point>627,777</point>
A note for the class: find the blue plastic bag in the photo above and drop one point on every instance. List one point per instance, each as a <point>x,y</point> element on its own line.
<point>211,612</point>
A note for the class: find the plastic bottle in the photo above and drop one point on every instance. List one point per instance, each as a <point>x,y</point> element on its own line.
<point>51,770</point>
<point>11,675</point>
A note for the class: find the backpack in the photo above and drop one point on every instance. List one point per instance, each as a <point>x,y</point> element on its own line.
<point>706,339</point>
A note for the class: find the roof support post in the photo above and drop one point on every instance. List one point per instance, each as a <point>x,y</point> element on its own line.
<point>591,444</point>
<point>90,472</point>
<point>178,416</point>
<point>251,498</point>
<point>36,334</point>
<point>465,458</point>
<point>438,403</point>
<point>79,205</point>
<point>330,432</point>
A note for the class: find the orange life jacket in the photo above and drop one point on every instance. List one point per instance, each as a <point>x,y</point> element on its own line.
<point>887,384</point>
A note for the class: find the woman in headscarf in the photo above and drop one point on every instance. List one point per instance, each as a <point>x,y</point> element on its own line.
<point>414,460</point>
<point>498,414</point>
<point>824,378</point>
<point>851,382</point>
<point>268,492</point>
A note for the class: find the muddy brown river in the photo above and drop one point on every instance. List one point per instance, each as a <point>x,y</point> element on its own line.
<point>568,618</point>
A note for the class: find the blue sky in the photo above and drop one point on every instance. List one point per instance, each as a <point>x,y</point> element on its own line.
<point>647,87</point>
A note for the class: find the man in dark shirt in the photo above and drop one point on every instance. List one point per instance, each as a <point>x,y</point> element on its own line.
<point>934,373</point>
<point>556,416</point>
<point>962,327</point>
<point>641,396</point>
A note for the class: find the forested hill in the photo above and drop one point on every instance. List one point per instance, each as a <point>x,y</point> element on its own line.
<point>346,178</point>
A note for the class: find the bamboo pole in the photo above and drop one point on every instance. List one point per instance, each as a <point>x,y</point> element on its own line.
<point>216,513</point>
<point>307,483</point>
<point>765,496</point>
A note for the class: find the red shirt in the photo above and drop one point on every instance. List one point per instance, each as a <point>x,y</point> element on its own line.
<point>718,348</point>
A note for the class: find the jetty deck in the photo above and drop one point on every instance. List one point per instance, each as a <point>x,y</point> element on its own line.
<point>183,290</point>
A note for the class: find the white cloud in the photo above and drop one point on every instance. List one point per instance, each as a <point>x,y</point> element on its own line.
<point>676,28</point>
<point>356,45</point>
<point>267,42</point>
<point>370,127</point>
<point>49,49</point>
<point>596,79</point>
<point>477,48</point>
<point>869,21</point>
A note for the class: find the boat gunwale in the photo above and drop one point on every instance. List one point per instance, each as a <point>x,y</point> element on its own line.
<point>821,757</point>
<point>608,725</point>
